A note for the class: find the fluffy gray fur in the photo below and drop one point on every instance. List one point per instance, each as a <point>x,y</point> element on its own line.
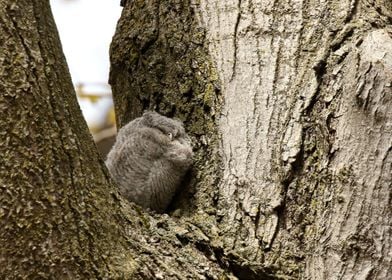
<point>149,160</point>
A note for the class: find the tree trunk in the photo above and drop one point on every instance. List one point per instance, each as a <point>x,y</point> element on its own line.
<point>60,216</point>
<point>287,104</point>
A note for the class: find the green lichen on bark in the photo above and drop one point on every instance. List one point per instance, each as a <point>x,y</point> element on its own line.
<point>160,61</point>
<point>59,213</point>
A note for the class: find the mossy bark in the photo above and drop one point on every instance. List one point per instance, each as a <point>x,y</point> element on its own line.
<point>60,216</point>
<point>160,61</point>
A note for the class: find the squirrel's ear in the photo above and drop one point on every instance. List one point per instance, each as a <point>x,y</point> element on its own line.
<point>148,117</point>
<point>151,118</point>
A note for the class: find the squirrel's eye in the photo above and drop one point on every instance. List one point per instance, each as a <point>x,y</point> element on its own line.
<point>170,136</point>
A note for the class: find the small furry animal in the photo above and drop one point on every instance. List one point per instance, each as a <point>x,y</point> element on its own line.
<point>149,160</point>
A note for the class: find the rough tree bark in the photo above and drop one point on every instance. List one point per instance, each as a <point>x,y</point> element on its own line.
<point>59,213</point>
<point>287,104</point>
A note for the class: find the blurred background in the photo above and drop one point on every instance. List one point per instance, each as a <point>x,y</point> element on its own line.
<point>86,28</point>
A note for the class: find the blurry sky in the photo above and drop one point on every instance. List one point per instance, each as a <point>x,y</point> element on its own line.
<point>86,28</point>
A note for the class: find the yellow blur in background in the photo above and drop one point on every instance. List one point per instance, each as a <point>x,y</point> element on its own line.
<point>86,28</point>
<point>96,103</point>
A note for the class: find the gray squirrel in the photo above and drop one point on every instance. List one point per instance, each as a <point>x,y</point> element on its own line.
<point>149,159</point>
